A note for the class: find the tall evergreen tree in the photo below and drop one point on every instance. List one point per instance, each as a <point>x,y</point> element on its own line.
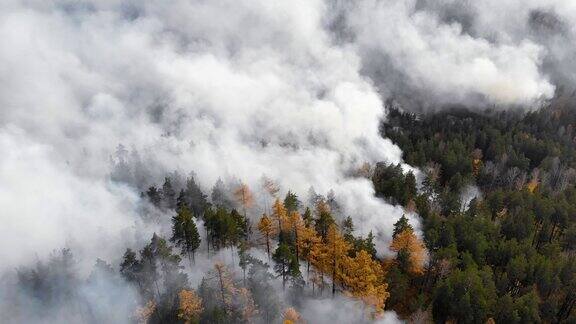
<point>291,202</point>
<point>185,233</point>
<point>168,194</point>
<point>196,199</point>
<point>286,264</point>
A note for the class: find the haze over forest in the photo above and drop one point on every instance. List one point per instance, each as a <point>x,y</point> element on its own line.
<point>305,161</point>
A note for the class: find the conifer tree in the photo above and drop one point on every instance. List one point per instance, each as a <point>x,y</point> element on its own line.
<point>280,216</point>
<point>286,264</point>
<point>337,249</point>
<point>190,306</point>
<point>195,198</point>
<point>409,246</point>
<point>291,202</point>
<point>271,188</point>
<point>324,219</point>
<point>185,233</point>
<point>244,197</point>
<point>154,196</point>
<point>363,278</point>
<point>307,217</point>
<point>168,194</point>
<point>401,225</point>
<point>267,230</point>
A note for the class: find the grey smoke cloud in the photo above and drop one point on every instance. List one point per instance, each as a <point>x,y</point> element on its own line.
<point>262,90</point>
<point>432,53</point>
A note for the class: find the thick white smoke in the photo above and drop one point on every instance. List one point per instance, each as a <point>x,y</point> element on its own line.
<point>461,52</point>
<point>259,91</point>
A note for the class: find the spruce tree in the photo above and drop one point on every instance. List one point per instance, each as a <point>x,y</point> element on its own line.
<point>185,233</point>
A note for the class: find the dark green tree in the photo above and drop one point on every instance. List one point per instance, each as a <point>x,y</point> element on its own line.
<point>185,233</point>
<point>286,265</point>
<point>291,202</point>
<point>168,194</point>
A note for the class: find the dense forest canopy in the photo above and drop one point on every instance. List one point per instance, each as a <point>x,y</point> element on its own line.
<point>510,246</point>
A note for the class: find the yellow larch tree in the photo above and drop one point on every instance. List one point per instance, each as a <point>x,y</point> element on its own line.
<point>308,240</point>
<point>408,241</point>
<point>337,249</point>
<point>296,225</point>
<point>280,215</point>
<point>363,278</point>
<point>244,196</point>
<point>267,230</point>
<point>319,257</point>
<point>190,306</point>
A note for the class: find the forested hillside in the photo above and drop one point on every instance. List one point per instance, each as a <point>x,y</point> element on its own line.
<point>507,252</point>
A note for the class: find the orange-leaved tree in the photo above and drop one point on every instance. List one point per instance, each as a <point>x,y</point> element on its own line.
<point>363,278</point>
<point>337,249</point>
<point>280,216</point>
<point>406,243</point>
<point>267,230</point>
<point>190,306</point>
<point>244,196</point>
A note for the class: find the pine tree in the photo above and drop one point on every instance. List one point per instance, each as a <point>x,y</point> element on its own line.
<point>219,197</point>
<point>291,202</point>
<point>324,219</point>
<point>286,264</point>
<point>347,229</point>
<point>307,217</point>
<point>185,233</point>
<point>195,198</point>
<point>130,267</point>
<point>242,226</point>
<point>168,194</point>
<point>401,225</point>
<point>154,196</point>
<point>244,258</point>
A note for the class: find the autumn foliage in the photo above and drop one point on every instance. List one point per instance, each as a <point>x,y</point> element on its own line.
<point>408,242</point>
<point>190,306</point>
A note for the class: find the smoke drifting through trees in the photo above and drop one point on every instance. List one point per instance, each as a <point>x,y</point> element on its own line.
<point>233,89</point>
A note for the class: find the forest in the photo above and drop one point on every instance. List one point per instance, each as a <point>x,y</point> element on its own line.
<point>496,199</point>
